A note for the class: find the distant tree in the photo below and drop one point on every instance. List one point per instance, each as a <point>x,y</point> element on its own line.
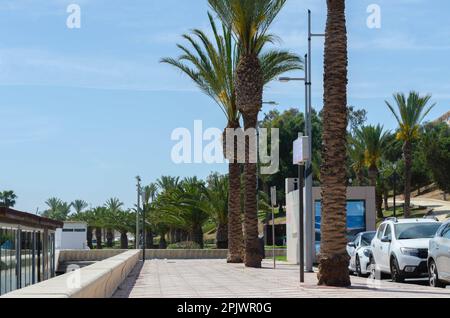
<point>356,118</point>
<point>57,209</point>
<point>79,206</point>
<point>373,141</point>
<point>436,146</point>
<point>410,113</point>
<point>8,199</point>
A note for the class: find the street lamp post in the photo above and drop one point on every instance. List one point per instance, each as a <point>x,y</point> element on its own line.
<point>395,190</point>
<point>138,186</point>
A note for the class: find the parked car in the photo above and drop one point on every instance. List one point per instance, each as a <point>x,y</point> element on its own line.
<point>439,257</point>
<point>400,248</point>
<point>360,253</point>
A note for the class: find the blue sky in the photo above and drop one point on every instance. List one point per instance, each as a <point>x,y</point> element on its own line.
<point>85,110</point>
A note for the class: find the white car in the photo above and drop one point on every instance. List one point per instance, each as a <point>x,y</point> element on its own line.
<point>360,253</point>
<point>400,248</point>
<point>439,257</point>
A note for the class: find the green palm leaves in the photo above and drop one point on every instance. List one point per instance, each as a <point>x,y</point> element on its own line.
<point>7,199</point>
<point>249,20</point>
<point>211,66</point>
<point>372,140</point>
<point>411,112</point>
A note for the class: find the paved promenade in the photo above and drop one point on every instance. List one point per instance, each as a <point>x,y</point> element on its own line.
<point>216,279</point>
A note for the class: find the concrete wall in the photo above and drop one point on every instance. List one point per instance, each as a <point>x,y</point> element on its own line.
<point>96,281</point>
<point>99,255</point>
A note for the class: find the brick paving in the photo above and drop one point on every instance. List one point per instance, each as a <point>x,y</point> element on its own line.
<point>216,279</point>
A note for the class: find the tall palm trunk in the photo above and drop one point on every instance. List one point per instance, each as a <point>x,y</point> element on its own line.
<point>249,90</point>
<point>222,236</point>
<point>235,235</point>
<point>89,237</point>
<point>162,241</point>
<point>373,176</point>
<point>386,197</point>
<point>123,240</point>
<point>109,238</point>
<point>407,154</point>
<point>149,239</point>
<point>333,258</point>
<point>98,236</point>
<point>197,235</point>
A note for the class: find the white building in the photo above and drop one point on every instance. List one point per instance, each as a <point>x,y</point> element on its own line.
<point>73,236</point>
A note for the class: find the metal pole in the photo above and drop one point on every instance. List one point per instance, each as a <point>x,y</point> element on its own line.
<point>273,238</point>
<point>136,239</point>
<point>395,194</point>
<point>301,228</point>
<point>309,176</point>
<point>143,231</point>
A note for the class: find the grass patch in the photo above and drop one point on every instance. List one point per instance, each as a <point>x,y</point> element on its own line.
<point>416,213</point>
<point>278,258</point>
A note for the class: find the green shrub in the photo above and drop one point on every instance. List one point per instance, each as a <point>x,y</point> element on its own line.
<point>184,246</point>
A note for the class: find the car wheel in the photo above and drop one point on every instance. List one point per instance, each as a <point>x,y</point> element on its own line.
<point>434,276</point>
<point>357,267</point>
<point>396,274</point>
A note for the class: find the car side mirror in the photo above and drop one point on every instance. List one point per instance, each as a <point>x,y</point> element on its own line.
<point>386,240</point>
<point>351,244</point>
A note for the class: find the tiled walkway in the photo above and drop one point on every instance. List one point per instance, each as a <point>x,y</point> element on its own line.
<point>216,279</point>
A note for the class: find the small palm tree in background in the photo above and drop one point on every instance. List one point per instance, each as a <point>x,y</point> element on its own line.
<point>217,193</point>
<point>151,191</point>
<point>79,206</point>
<point>8,199</point>
<point>112,206</point>
<point>373,139</point>
<point>57,209</point>
<point>410,113</point>
<point>333,257</point>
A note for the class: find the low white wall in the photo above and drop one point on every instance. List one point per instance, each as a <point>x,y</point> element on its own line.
<point>99,255</point>
<point>99,280</point>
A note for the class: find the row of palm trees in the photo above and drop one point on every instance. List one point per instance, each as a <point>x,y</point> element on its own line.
<point>233,72</point>
<point>233,69</point>
<point>368,145</point>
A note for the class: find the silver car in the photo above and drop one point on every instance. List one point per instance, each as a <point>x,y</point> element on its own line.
<point>439,257</point>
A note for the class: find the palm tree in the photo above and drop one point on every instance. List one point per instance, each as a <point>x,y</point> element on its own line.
<point>411,113</point>
<point>249,21</point>
<point>7,199</point>
<point>57,209</point>
<point>98,222</point>
<point>79,206</point>
<point>333,257</point>
<point>217,192</point>
<point>151,192</point>
<point>356,154</point>
<point>112,206</point>
<point>373,139</point>
<point>213,71</point>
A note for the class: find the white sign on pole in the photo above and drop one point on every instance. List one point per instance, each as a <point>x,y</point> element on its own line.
<point>301,150</point>
<point>273,196</point>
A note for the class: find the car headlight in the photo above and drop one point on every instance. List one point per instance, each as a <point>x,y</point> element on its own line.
<point>410,251</point>
<point>366,253</point>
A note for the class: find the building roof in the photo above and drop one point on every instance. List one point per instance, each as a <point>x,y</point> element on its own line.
<point>10,216</point>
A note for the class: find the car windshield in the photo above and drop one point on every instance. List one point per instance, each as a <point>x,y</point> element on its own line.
<point>416,230</point>
<point>366,239</point>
